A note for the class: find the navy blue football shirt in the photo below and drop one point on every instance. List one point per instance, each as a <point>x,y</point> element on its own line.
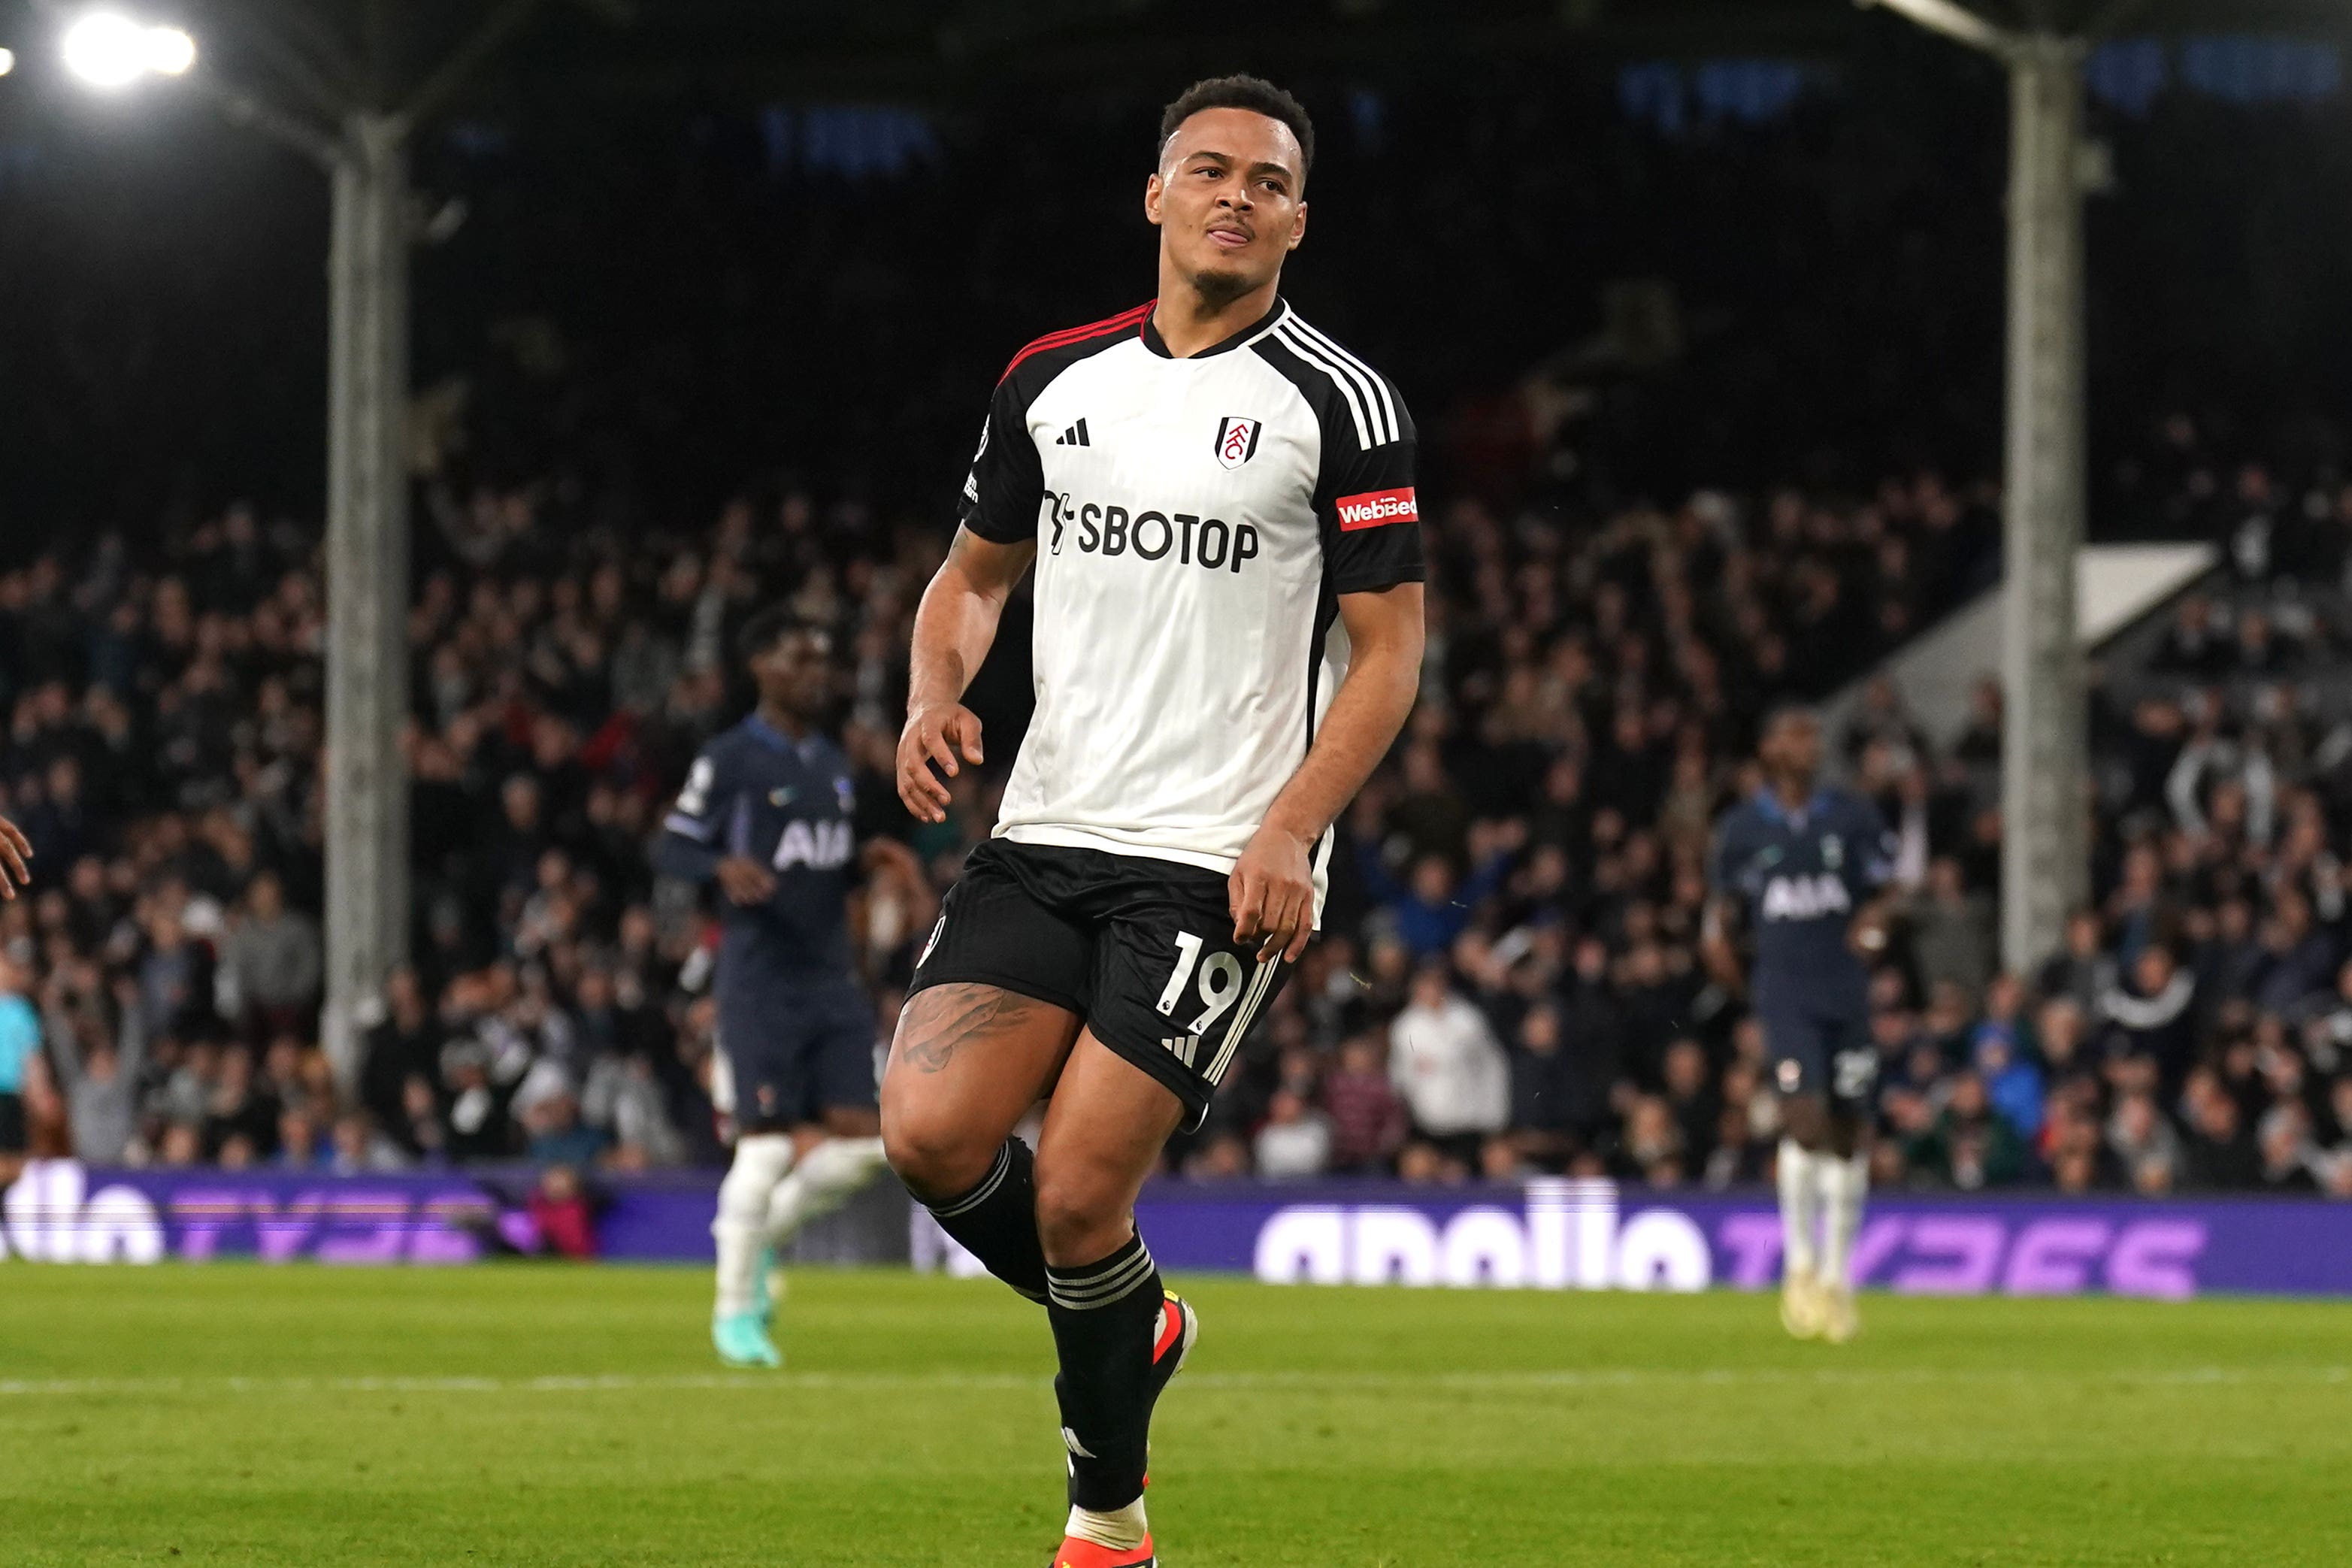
<point>756,792</point>
<point>1802,876</point>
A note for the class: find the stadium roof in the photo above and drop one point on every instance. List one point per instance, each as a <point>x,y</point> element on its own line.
<point>910,44</point>
<point>384,49</point>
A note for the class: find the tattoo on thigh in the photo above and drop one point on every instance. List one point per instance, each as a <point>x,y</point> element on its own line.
<point>943,1020</point>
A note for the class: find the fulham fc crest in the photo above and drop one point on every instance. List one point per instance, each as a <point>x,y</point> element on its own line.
<point>1236,440</point>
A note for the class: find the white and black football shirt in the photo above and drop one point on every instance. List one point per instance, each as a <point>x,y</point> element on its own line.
<point>1196,521</point>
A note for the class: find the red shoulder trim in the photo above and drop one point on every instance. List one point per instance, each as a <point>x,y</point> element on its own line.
<point>1067,335</point>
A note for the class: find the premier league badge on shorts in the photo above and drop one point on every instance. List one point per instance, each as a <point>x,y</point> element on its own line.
<point>1236,439</point>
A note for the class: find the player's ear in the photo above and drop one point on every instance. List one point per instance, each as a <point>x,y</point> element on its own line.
<point>1298,226</point>
<point>1153,190</point>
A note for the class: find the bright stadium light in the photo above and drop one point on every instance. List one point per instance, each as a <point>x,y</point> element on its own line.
<point>7,61</point>
<point>170,51</point>
<point>108,49</point>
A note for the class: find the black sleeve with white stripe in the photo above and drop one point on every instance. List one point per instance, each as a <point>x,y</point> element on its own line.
<point>1007,483</point>
<point>1364,496</point>
<point>1371,518</point>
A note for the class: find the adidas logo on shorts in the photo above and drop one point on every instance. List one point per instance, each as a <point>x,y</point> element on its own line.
<point>1183,1047</point>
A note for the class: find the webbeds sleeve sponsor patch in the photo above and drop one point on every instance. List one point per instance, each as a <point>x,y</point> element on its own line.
<point>1374,507</point>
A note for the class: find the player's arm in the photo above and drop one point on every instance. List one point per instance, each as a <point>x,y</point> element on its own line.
<point>954,627</point>
<point>1718,946</point>
<point>690,845</point>
<point>1273,884</point>
<point>1370,523</point>
<point>1718,949</point>
<point>1881,898</point>
<point>956,623</point>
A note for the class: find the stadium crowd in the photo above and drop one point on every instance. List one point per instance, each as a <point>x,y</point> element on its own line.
<point>1508,980</point>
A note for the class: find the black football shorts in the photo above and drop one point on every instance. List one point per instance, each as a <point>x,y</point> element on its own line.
<point>1141,950</point>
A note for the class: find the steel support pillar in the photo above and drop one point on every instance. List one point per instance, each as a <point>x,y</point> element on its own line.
<point>2046,739</point>
<point>367,581</point>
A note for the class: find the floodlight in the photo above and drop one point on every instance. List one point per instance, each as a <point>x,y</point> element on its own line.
<point>170,51</point>
<point>108,49</point>
<point>7,61</point>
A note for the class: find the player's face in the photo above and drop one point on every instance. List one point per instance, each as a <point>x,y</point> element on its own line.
<point>795,674</point>
<point>1794,749</point>
<point>1228,199</point>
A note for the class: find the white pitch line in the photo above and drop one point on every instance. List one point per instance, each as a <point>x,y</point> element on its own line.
<point>1336,1382</point>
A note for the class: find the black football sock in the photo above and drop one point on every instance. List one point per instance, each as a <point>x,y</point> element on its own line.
<point>996,1221</point>
<point>1106,1315</point>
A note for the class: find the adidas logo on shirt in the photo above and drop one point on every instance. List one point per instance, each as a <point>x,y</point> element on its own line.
<point>1075,436</point>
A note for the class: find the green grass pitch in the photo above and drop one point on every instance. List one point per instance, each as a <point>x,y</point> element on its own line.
<point>551,1416</point>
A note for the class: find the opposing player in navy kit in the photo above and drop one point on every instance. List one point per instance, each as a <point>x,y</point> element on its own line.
<point>1219,503</point>
<point>765,813</point>
<point>1807,866</point>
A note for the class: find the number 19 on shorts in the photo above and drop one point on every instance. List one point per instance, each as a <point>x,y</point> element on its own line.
<point>1218,983</point>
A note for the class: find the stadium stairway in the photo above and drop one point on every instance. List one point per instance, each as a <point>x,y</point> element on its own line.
<point>2117,586</point>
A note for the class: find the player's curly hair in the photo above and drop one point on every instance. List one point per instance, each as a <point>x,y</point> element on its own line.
<point>769,626</point>
<point>1254,93</point>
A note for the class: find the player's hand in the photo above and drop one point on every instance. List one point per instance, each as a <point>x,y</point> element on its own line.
<point>940,735</point>
<point>746,881</point>
<point>1867,936</point>
<point>14,850</point>
<point>1272,893</point>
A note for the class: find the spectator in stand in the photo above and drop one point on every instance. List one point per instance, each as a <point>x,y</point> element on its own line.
<point>1547,1126</point>
<point>1692,1099</point>
<point>273,963</point>
<point>1295,1139</point>
<point>2081,970</point>
<point>1434,908</point>
<point>1968,1146</point>
<point>1952,931</point>
<point>2079,1159</point>
<point>2221,1150</point>
<point>2145,1143</point>
<point>1368,1117</point>
<point>98,1065</point>
<point>2012,1080</point>
<point>399,1050</point>
<point>2292,1162</point>
<point>1653,1150</point>
<point>1445,1063</point>
<point>2150,1019</point>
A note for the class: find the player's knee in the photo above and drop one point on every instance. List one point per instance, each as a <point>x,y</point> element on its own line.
<point>934,1156</point>
<point>1806,1120</point>
<point>1843,1135</point>
<point>1078,1214</point>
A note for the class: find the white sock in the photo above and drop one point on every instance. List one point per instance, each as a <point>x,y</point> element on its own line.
<point>822,1181</point>
<point>1844,1184</point>
<point>1800,1208</point>
<point>1121,1530</point>
<point>739,1227</point>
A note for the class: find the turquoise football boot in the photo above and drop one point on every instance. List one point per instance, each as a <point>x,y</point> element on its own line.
<point>741,1340</point>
